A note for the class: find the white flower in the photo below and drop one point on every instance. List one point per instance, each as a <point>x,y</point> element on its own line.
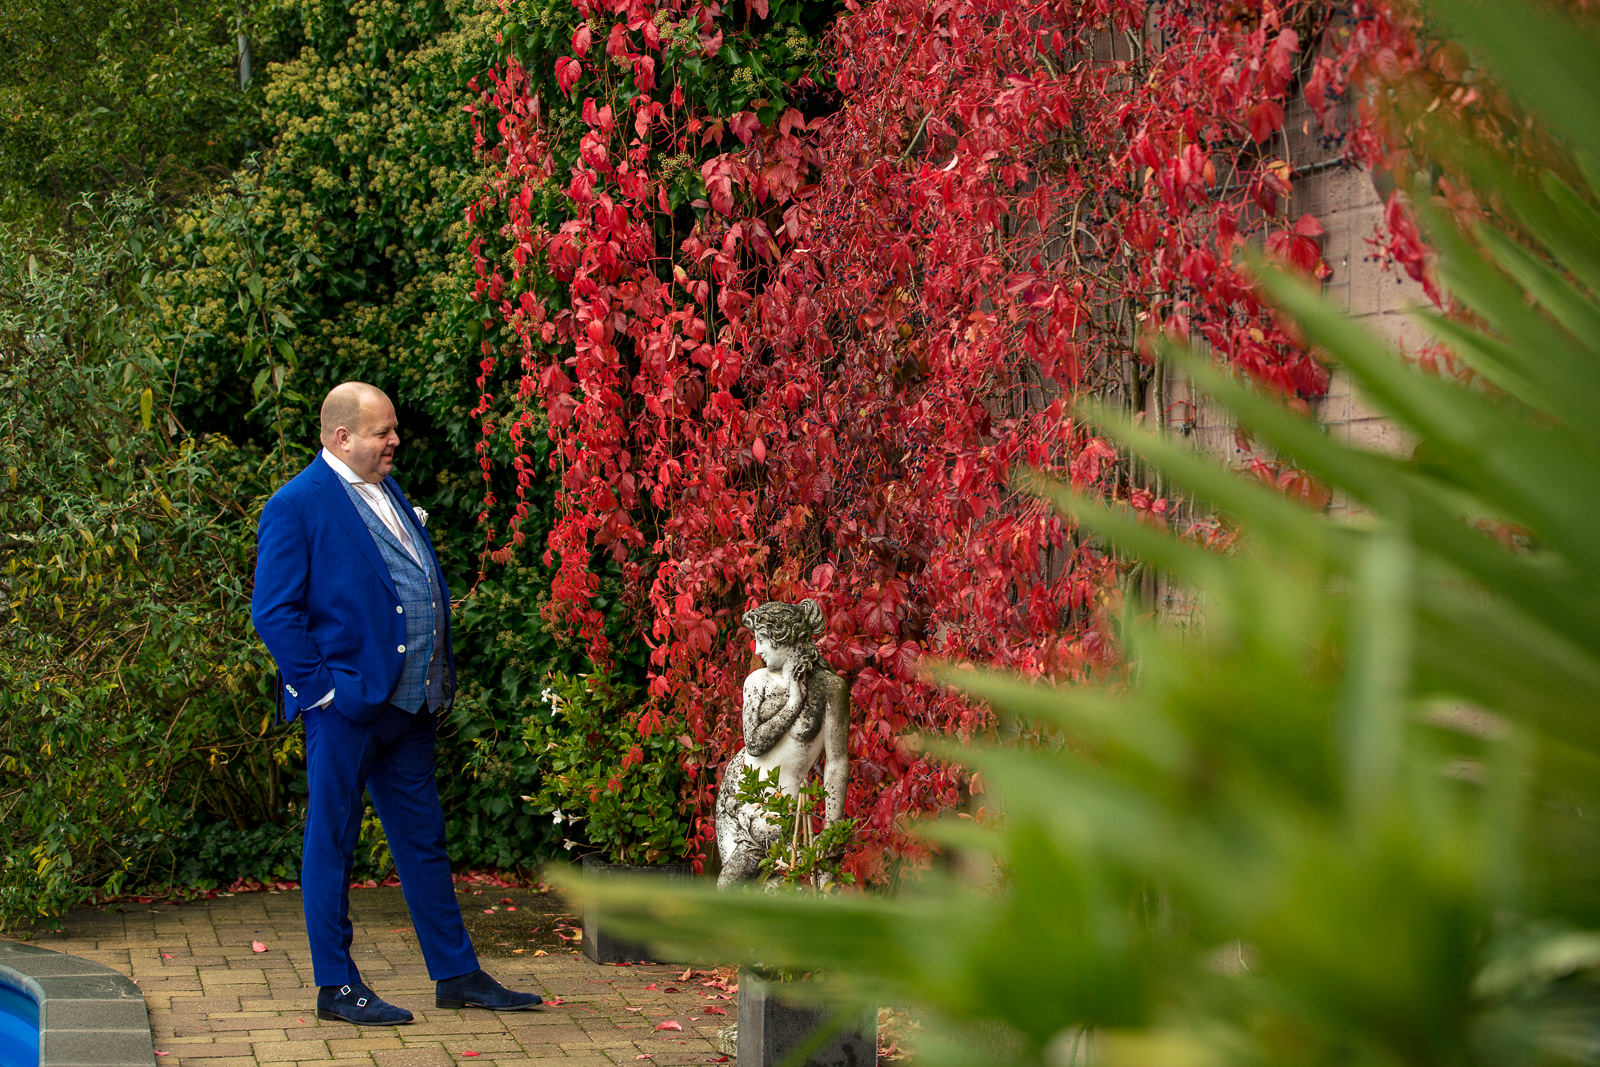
<point>422,516</point>
<point>569,845</point>
<point>558,818</point>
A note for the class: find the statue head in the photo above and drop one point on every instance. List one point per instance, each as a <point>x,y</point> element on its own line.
<point>790,626</point>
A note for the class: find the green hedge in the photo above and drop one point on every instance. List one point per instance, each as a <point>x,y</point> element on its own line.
<point>133,698</point>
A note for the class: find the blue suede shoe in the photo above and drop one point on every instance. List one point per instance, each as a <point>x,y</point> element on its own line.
<point>355,1003</point>
<point>478,990</point>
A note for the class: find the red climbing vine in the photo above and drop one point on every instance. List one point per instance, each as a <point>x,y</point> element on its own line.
<point>799,348</point>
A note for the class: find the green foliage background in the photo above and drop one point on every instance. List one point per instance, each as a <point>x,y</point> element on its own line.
<point>185,267</point>
<point>132,706</point>
<point>98,95</point>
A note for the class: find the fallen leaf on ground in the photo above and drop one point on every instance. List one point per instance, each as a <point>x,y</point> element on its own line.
<point>716,1011</point>
<point>670,1024</point>
<point>540,952</point>
<point>469,1052</point>
<point>256,946</point>
<point>554,1001</point>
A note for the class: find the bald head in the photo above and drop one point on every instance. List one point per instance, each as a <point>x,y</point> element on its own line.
<point>358,426</point>
<point>342,406</point>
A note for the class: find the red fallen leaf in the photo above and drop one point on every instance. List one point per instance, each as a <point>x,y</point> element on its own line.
<point>645,1056</point>
<point>511,907</point>
<point>160,1053</point>
<point>670,989</point>
<point>469,1052</point>
<point>507,900</point>
<point>166,955</point>
<point>489,911</point>
<point>716,1011</point>
<point>554,1001</point>
<point>633,1009</point>
<point>256,946</point>
<point>652,985</point>
<point>670,1024</point>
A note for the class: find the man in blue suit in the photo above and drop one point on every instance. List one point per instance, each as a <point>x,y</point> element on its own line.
<point>351,603</point>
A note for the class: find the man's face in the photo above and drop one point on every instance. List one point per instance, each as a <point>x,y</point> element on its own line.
<point>368,448</point>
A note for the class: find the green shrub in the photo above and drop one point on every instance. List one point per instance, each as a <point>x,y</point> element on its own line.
<point>607,787</point>
<point>103,95</point>
<point>1348,816</point>
<point>133,697</point>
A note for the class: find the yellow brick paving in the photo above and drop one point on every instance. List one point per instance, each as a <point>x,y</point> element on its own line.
<point>215,1002</point>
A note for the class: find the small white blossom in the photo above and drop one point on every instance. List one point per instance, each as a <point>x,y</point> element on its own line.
<point>558,818</point>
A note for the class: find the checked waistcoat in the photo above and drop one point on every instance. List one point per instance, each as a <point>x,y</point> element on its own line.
<point>422,675</point>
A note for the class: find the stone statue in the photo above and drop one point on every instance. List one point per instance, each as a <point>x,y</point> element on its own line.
<point>795,711</point>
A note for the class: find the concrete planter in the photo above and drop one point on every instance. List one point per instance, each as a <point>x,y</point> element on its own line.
<point>599,943</point>
<point>772,1027</point>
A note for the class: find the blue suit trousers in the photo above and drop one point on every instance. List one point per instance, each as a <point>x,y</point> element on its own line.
<point>391,758</point>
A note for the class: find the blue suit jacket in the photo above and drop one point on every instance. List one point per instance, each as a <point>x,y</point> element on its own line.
<point>324,601</point>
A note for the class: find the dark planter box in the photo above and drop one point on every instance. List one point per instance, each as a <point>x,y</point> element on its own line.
<point>599,944</point>
<point>770,1028</point>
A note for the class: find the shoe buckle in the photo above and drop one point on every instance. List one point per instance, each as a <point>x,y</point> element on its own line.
<point>361,1003</point>
<point>344,991</point>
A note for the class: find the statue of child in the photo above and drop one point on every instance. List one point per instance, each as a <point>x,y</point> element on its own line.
<point>796,711</point>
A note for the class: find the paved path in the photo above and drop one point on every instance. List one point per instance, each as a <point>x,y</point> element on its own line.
<point>216,1002</point>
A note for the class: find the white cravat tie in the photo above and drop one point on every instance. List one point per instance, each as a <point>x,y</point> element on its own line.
<point>383,507</point>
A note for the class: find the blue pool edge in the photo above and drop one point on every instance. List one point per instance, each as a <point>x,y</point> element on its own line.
<point>90,1015</point>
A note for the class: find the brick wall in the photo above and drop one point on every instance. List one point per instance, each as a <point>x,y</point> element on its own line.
<point>1347,203</point>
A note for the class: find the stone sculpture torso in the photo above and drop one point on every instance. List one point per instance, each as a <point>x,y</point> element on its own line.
<point>795,715</point>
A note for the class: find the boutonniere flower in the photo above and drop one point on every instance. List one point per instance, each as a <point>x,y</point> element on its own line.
<point>422,516</point>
